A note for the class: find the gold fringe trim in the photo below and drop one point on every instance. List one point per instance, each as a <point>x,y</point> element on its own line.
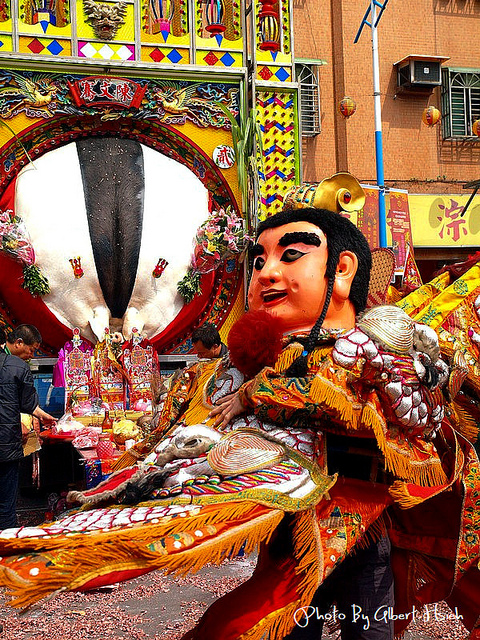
<point>306,542</point>
<point>402,497</point>
<point>223,545</point>
<point>427,474</point>
<point>198,405</point>
<point>141,533</point>
<point>277,624</point>
<point>465,423</point>
<point>78,565</point>
<point>294,350</point>
<point>274,626</point>
<point>393,295</point>
<point>339,402</point>
<point>127,459</point>
<point>288,356</point>
<point>375,531</point>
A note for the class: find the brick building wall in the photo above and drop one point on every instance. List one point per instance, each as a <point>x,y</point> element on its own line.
<point>416,157</point>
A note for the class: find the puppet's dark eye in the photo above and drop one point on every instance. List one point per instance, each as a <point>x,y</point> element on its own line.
<point>290,255</point>
<point>259,263</point>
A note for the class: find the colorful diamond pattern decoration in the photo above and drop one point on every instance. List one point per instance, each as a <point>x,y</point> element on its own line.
<point>55,47</point>
<point>211,58</point>
<point>52,47</point>
<point>227,59</point>
<point>106,51</point>
<point>168,55</point>
<point>265,73</point>
<point>36,46</point>
<point>276,118</point>
<point>282,74</point>
<point>157,55</point>
<point>174,56</point>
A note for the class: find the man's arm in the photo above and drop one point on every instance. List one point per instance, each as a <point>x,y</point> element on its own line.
<point>42,415</point>
<point>28,398</point>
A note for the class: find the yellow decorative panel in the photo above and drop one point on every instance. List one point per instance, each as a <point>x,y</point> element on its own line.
<point>165,55</point>
<point>86,31</point>
<point>6,25</point>
<point>224,59</point>
<point>218,43</point>
<point>5,43</point>
<point>269,57</point>
<point>271,73</point>
<point>437,220</point>
<point>45,46</point>
<point>168,40</point>
<point>276,119</point>
<point>44,30</point>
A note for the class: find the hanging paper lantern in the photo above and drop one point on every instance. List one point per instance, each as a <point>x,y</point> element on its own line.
<point>476,128</point>
<point>431,115</point>
<point>347,107</point>
<point>214,17</point>
<point>269,26</point>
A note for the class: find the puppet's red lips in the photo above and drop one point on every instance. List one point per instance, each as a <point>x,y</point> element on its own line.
<point>271,297</point>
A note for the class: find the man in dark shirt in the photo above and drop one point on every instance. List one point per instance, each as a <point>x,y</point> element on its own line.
<point>17,395</point>
<point>207,342</point>
<point>23,341</point>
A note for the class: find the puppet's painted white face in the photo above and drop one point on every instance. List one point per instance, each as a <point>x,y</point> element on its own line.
<point>288,278</point>
<point>118,234</point>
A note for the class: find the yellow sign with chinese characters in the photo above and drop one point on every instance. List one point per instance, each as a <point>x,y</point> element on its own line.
<point>437,220</point>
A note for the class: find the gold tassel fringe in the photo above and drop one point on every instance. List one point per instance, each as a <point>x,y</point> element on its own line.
<point>324,391</point>
<point>426,474</point>
<point>130,549</point>
<point>465,423</point>
<point>399,492</point>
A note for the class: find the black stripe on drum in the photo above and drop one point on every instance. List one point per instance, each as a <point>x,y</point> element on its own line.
<point>114,186</point>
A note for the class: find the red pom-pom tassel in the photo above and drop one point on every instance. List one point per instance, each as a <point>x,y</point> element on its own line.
<point>255,342</point>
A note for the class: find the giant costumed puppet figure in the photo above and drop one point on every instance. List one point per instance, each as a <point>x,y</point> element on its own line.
<point>324,435</point>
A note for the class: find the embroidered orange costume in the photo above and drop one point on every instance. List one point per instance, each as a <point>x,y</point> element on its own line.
<point>379,380</point>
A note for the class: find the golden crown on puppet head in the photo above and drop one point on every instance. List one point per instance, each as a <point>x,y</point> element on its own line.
<point>340,192</point>
<point>343,193</point>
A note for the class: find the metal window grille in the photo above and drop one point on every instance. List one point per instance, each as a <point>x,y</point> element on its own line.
<point>460,102</point>
<point>307,79</point>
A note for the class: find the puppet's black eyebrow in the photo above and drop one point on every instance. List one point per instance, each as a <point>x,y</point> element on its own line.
<point>257,250</point>
<point>304,237</point>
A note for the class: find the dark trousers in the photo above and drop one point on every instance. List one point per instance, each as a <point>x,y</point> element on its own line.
<point>361,586</point>
<point>9,474</point>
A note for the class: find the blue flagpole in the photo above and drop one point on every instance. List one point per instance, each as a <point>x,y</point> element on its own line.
<point>382,217</point>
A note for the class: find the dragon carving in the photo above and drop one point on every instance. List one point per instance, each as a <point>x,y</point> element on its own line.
<point>105,19</point>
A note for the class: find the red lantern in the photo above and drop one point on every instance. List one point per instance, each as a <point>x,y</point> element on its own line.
<point>431,115</point>
<point>347,107</point>
<point>269,26</point>
<point>476,128</point>
<point>214,17</point>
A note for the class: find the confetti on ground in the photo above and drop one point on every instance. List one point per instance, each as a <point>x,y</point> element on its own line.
<point>158,607</point>
<point>153,607</point>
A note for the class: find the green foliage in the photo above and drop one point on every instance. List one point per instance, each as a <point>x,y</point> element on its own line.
<point>189,286</point>
<point>7,126</point>
<point>35,281</point>
<point>246,139</point>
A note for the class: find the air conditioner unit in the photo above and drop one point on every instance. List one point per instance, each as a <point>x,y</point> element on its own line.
<point>419,73</point>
